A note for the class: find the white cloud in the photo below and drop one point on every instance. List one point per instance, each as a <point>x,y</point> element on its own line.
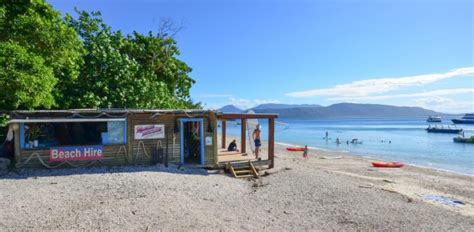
<point>434,93</point>
<point>381,85</point>
<point>243,103</point>
<point>444,104</point>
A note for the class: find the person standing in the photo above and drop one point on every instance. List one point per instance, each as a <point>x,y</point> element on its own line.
<point>305,152</point>
<point>256,138</point>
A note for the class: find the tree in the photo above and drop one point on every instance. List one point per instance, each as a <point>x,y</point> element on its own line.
<point>43,35</point>
<point>135,71</point>
<point>156,55</point>
<point>25,81</point>
<point>83,63</point>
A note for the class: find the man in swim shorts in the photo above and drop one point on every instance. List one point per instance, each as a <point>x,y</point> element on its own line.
<point>256,138</point>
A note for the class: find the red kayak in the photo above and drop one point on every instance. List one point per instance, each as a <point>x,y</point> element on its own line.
<point>295,148</point>
<point>388,165</point>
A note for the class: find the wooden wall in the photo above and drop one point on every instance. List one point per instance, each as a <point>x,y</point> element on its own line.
<point>135,151</point>
<point>137,147</point>
<point>113,155</point>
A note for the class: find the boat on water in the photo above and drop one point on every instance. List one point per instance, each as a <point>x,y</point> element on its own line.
<point>466,119</point>
<point>442,129</point>
<point>433,119</point>
<point>460,139</point>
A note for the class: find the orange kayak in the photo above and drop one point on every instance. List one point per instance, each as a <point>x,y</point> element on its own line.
<point>295,148</point>
<point>387,165</point>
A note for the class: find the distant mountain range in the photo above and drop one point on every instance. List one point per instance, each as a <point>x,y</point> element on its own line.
<point>231,109</point>
<point>341,110</point>
<point>275,106</point>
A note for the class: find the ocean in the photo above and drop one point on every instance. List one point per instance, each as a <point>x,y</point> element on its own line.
<point>404,140</point>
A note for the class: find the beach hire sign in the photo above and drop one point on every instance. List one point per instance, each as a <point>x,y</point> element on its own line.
<point>75,153</point>
<point>152,131</point>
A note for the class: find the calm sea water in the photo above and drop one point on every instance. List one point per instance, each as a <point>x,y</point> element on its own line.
<point>409,142</point>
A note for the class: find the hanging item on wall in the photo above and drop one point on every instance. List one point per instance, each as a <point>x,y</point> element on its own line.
<point>152,131</point>
<point>208,141</point>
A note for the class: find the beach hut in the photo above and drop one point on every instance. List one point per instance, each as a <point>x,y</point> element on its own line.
<point>92,137</point>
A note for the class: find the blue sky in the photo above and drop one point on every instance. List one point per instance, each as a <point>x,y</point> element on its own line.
<point>406,52</point>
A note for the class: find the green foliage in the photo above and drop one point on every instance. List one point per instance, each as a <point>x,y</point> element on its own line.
<point>26,82</point>
<point>136,71</point>
<point>44,37</point>
<point>53,62</point>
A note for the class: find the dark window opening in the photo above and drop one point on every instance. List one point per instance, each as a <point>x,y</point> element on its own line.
<point>44,135</point>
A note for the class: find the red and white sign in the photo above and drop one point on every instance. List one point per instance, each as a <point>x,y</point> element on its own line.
<point>61,154</point>
<point>154,131</point>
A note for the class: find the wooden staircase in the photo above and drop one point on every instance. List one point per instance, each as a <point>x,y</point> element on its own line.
<point>242,169</point>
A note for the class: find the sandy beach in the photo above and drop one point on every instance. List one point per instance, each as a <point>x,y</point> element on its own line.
<point>330,191</point>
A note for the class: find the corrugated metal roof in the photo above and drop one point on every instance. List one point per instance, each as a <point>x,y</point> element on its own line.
<point>97,113</point>
<point>72,111</point>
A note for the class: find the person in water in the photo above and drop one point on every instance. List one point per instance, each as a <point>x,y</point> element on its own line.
<point>337,141</point>
<point>256,138</point>
<point>305,152</point>
<point>232,146</point>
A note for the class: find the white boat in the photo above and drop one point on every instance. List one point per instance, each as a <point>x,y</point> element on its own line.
<point>433,119</point>
<point>466,119</point>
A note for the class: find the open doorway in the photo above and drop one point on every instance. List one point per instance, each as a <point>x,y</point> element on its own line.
<point>192,141</point>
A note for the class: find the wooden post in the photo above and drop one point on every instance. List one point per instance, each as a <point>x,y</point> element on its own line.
<point>271,141</point>
<point>243,132</point>
<point>16,133</point>
<point>224,125</point>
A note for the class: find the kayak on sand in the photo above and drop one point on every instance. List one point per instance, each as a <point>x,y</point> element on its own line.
<point>295,148</point>
<point>387,165</point>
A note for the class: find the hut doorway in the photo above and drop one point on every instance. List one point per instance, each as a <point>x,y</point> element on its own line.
<point>192,141</point>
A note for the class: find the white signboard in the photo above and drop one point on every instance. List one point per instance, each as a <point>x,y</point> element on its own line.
<point>208,140</point>
<point>152,131</point>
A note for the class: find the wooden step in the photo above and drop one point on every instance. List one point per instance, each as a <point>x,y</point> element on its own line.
<point>245,176</point>
<point>243,171</point>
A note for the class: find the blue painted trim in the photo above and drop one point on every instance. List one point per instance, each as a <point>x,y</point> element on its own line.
<point>181,132</point>
<point>125,130</point>
<point>22,135</point>
<point>202,140</point>
<point>181,139</point>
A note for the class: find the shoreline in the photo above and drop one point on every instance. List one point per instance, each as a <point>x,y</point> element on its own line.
<point>367,156</point>
<point>410,181</point>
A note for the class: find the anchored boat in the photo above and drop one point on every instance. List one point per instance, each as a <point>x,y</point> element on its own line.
<point>445,130</point>
<point>466,119</point>
<point>433,119</point>
<point>460,139</point>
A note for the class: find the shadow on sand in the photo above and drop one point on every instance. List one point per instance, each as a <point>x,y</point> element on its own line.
<point>174,169</point>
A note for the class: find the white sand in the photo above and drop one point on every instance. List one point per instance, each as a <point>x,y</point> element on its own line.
<point>317,194</point>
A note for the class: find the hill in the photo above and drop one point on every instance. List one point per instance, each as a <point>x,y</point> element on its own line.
<point>230,109</point>
<point>348,110</point>
<point>283,106</point>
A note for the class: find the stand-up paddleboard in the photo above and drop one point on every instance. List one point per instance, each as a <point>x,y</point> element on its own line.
<point>251,125</point>
<point>387,165</point>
